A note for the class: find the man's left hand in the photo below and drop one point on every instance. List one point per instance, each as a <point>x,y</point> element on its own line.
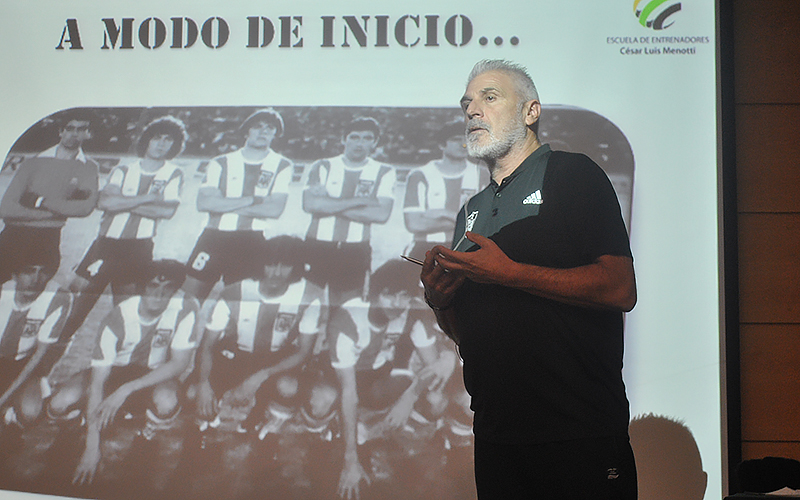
<point>110,406</point>
<point>398,414</point>
<point>243,394</point>
<point>489,264</point>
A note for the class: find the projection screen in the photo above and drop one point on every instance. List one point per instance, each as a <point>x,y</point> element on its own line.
<point>631,83</point>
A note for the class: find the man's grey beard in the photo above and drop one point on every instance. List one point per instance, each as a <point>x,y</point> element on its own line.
<point>499,144</point>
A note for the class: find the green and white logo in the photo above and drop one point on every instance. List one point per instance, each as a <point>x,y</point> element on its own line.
<point>655,14</point>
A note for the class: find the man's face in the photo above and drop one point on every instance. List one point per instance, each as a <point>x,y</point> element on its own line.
<point>276,278</point>
<point>359,144</point>
<point>74,133</point>
<point>260,135</point>
<point>157,294</point>
<point>159,146</point>
<point>494,116</point>
<point>32,279</point>
<point>394,303</point>
<point>455,148</point>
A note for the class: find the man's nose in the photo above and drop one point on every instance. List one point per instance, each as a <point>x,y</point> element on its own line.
<point>473,110</point>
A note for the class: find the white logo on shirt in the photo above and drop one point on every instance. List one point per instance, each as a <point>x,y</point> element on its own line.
<point>471,220</point>
<point>534,198</point>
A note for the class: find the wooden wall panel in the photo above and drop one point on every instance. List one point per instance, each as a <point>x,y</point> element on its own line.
<point>767,50</point>
<point>769,268</point>
<point>768,158</point>
<point>770,363</point>
<point>766,69</point>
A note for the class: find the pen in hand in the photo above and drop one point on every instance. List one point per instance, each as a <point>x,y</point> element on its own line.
<point>412,259</point>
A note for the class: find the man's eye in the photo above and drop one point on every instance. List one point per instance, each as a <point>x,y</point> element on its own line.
<point>490,98</point>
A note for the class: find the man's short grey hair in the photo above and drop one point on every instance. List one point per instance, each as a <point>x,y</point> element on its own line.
<point>524,83</point>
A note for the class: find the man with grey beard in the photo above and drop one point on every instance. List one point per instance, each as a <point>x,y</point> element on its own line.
<point>533,291</point>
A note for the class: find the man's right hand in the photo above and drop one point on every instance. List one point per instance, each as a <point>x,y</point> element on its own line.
<point>206,401</point>
<point>351,477</point>
<point>440,285</point>
<point>87,467</point>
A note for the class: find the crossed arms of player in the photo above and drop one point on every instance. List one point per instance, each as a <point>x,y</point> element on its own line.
<point>316,200</point>
<point>434,220</point>
<point>156,205</point>
<point>22,202</point>
<point>418,217</point>
<point>210,197</point>
<point>365,210</point>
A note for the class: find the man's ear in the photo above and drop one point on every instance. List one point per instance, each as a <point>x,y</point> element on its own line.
<point>532,111</point>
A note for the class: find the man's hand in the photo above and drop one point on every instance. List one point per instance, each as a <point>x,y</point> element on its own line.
<point>245,393</point>
<point>109,407</point>
<point>206,401</point>
<point>399,412</point>
<point>440,284</point>
<point>489,264</point>
<point>87,467</point>
<point>351,477</point>
<point>607,283</point>
<point>436,375</point>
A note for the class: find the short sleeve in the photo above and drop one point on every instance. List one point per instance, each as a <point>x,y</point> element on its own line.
<point>184,337</point>
<point>604,231</point>
<point>591,207</point>
<point>172,190</point>
<point>415,192</point>
<point>213,175</point>
<point>419,335</point>
<point>283,178</point>
<point>318,175</point>
<point>220,317</point>
<point>57,311</point>
<point>116,177</point>
<point>345,352</point>
<point>386,186</point>
<point>309,321</point>
<point>106,349</point>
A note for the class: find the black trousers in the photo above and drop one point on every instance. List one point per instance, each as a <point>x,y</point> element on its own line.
<point>597,469</point>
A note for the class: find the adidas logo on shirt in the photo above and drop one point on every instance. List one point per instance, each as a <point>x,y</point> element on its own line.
<point>534,198</point>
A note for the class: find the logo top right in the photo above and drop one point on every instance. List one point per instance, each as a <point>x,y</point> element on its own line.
<point>655,14</point>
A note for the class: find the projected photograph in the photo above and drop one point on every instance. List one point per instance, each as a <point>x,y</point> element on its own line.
<point>210,302</point>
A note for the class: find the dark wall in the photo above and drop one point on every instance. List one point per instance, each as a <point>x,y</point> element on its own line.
<point>767,107</point>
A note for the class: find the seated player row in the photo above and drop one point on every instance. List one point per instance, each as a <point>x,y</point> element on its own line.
<point>263,363</point>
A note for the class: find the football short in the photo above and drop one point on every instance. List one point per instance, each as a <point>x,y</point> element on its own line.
<point>119,261</point>
<point>342,266</point>
<point>232,255</point>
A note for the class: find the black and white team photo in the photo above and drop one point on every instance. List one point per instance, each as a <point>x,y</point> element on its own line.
<point>210,302</point>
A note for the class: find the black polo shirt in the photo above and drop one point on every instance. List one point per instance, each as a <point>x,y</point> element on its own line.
<point>540,370</point>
